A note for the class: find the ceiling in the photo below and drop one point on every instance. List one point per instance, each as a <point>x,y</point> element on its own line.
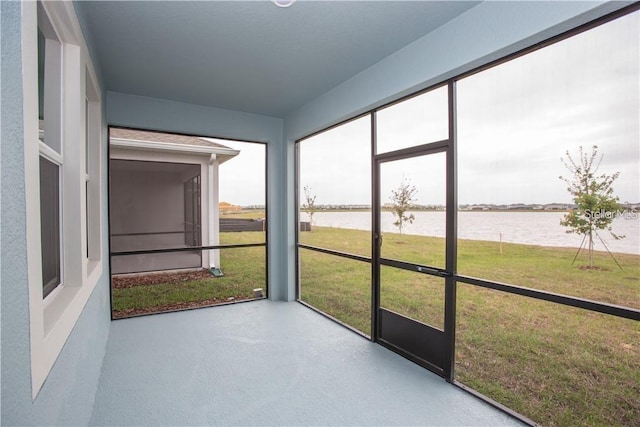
<point>249,56</point>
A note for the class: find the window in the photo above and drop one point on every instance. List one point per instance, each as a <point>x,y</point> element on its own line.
<point>86,173</point>
<point>516,122</point>
<point>192,212</point>
<point>412,122</point>
<point>62,145</point>
<point>334,220</point>
<point>335,188</point>
<point>50,224</point>
<point>50,148</point>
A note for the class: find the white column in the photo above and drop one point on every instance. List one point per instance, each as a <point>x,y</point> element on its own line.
<point>214,212</point>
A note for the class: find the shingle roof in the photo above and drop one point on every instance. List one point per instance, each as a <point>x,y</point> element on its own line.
<point>143,135</point>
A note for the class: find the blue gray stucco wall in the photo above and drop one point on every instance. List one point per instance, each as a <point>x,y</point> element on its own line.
<point>16,385</point>
<point>68,394</point>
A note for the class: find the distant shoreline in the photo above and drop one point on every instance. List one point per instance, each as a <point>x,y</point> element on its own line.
<point>515,226</point>
<point>388,209</point>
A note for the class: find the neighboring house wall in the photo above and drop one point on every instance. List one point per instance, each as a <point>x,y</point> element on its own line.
<point>147,202</point>
<point>129,195</point>
<point>146,205</point>
<point>67,396</point>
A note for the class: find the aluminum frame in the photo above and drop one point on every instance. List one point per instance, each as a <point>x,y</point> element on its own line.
<point>422,354</point>
<point>452,278</point>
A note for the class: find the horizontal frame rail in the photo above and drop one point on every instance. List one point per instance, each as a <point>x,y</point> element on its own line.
<point>187,249</point>
<point>337,253</point>
<point>600,307</point>
<point>433,271</point>
<point>419,150</point>
<point>149,233</point>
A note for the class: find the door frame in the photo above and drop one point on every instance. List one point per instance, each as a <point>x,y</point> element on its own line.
<point>447,340</point>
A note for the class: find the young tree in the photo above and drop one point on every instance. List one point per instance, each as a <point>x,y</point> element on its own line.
<point>596,206</point>
<point>401,199</point>
<point>309,205</point>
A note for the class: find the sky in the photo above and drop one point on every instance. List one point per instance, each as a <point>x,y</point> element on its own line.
<point>242,178</point>
<point>516,122</point>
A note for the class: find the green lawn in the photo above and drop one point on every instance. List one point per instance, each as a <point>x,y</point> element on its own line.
<point>538,267</point>
<point>554,364</point>
<point>244,270</point>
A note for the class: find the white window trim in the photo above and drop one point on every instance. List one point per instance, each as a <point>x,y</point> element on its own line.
<point>93,119</point>
<point>53,319</point>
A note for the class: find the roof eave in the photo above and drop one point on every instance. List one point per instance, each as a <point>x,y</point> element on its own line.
<point>129,144</point>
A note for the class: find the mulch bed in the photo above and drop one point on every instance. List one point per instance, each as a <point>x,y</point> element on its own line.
<point>594,268</point>
<point>117,314</point>
<point>131,280</point>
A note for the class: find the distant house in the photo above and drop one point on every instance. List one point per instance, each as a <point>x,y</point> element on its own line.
<point>556,207</point>
<point>226,208</point>
<point>164,190</point>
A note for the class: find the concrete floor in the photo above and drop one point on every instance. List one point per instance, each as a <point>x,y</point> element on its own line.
<point>268,363</point>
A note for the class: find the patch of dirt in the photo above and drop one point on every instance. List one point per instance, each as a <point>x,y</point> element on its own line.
<point>594,268</point>
<point>155,278</point>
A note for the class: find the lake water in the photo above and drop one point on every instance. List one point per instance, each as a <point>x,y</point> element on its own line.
<point>535,228</point>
